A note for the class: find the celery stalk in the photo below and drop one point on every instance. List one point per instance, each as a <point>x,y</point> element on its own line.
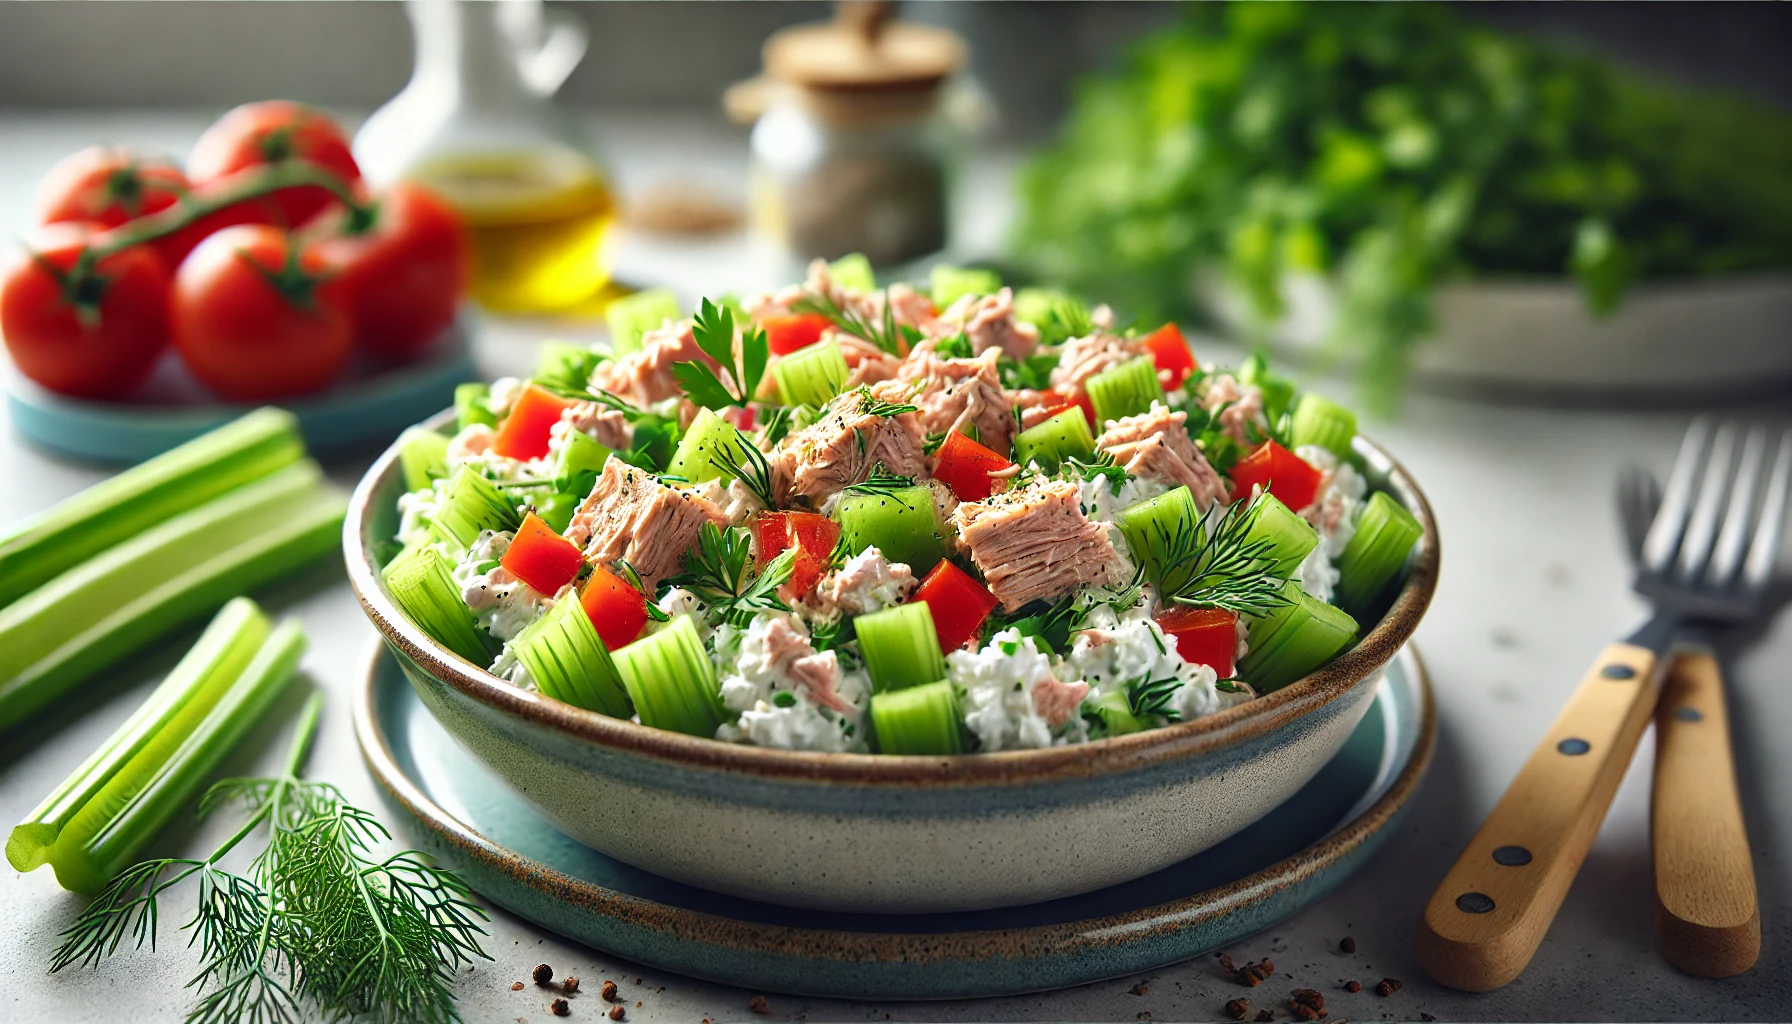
<point>217,658</point>
<point>106,835</point>
<point>918,720</point>
<point>107,608</point>
<point>853,270</point>
<point>35,550</point>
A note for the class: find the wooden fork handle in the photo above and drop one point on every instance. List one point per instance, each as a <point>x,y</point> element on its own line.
<point>1489,915</point>
<point>1707,915</point>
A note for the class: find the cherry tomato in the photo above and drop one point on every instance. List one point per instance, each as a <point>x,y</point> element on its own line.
<point>1170,352</point>
<point>793,333</point>
<point>107,187</point>
<point>269,133</point>
<point>406,275</point>
<point>812,535</point>
<point>529,427</point>
<point>94,335</point>
<point>256,318</point>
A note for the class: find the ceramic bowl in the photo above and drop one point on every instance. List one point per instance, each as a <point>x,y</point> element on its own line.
<point>890,834</point>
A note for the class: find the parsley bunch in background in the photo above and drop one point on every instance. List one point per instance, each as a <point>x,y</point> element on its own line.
<point>1392,147</point>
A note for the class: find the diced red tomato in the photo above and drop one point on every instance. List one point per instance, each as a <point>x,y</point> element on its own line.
<point>966,466</point>
<point>617,610</point>
<point>786,334</point>
<point>958,603</point>
<point>1280,472</point>
<point>1204,636</point>
<point>525,432</point>
<point>1077,399</point>
<point>1170,351</point>
<point>814,537</point>
<point>542,558</point>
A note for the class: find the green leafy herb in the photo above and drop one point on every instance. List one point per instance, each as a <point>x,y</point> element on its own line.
<point>1032,373</point>
<point>633,577</point>
<point>1216,564</point>
<point>316,920</point>
<point>885,334</point>
<point>881,482</point>
<point>713,330</point>
<point>871,405</point>
<point>719,571</point>
<point>1053,626</point>
<point>1147,696</point>
<point>751,468</point>
<point>958,346</point>
<point>1103,466</point>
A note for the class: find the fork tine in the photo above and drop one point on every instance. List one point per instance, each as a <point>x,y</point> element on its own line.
<point>1638,497</point>
<point>1708,504</point>
<point>1676,501</point>
<point>1765,550</point>
<point>1732,538</point>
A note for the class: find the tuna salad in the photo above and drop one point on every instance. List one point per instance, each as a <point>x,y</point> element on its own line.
<point>903,519</point>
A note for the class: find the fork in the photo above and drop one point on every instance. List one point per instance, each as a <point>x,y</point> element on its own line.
<point>1707,913</point>
<point>1699,566</point>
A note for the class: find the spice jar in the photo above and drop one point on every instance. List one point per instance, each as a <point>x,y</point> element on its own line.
<point>852,149</point>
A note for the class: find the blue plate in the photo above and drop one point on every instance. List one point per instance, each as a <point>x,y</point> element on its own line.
<point>368,408</point>
<point>458,811</point>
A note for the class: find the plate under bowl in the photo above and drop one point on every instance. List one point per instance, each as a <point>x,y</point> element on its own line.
<point>455,808</point>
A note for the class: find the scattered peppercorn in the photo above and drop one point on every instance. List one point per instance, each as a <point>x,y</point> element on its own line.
<point>1140,989</point>
<point>1353,986</point>
<point>1387,986</point>
<point>618,1013</point>
<point>570,985</point>
<point>608,991</point>
<point>758,1005</point>
<point>1252,975</point>
<point>1307,1004</point>
<point>561,1008</point>
<point>543,974</point>
<point>516,986</point>
<point>1348,945</point>
<point>1237,1008</point>
<point>1263,1015</point>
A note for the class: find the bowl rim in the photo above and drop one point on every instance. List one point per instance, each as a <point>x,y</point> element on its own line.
<point>1133,752</point>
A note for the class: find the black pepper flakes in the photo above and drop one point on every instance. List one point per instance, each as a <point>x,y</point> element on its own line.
<point>543,974</point>
<point>1347,945</point>
<point>608,991</point>
<point>1237,1008</point>
<point>758,1005</point>
<point>561,1008</point>
<point>1387,986</point>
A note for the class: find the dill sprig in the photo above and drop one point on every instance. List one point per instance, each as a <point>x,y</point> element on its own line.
<point>316,919</point>
<point>881,482</point>
<point>871,405</point>
<point>719,571</point>
<point>885,333</point>
<point>752,469</point>
<point>633,576</point>
<point>1216,564</point>
<point>713,330</point>
<point>1146,697</point>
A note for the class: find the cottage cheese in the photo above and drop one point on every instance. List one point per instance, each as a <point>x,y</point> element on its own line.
<point>995,686</point>
<point>1108,658</point>
<point>774,707</point>
<point>500,602</point>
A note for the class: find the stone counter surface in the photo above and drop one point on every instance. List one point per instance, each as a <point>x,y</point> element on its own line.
<point>1534,582</point>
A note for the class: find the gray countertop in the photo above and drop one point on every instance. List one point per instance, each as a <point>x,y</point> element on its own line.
<point>1534,582</point>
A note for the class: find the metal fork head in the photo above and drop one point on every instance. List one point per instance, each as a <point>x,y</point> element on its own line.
<point>1714,536</point>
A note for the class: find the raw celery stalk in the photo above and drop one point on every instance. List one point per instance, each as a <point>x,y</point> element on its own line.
<point>1151,526</point>
<point>1115,713</point>
<point>105,835</point>
<point>569,662</point>
<point>1320,421</point>
<point>1126,390</point>
<point>671,680</point>
<point>1377,552</point>
<point>949,284</point>
<point>470,407</point>
<point>1288,537</point>
<point>202,676</point>
<point>422,582</point>
<point>901,647</point>
<point>634,315</point>
<point>110,606</point>
<point>902,524</point>
<point>581,460</point>
<point>1063,436</point>
<point>853,271</point>
<point>1295,639</point>
<point>468,504</point>
<point>422,456</point>
<point>37,548</point>
<point>918,720</point>
<point>695,458</point>
<point>811,375</point>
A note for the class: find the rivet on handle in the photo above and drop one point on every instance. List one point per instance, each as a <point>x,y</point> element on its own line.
<point>1574,747</point>
<point>1474,903</point>
<point>1688,714</point>
<point>1618,672</point>
<point>1512,856</point>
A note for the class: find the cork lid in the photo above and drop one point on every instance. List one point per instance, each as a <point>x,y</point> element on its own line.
<point>864,49</point>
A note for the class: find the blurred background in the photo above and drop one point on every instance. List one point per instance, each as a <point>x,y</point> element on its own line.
<point>1581,201</point>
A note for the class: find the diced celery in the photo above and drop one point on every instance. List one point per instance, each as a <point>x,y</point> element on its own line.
<point>634,315</point>
<point>581,460</point>
<point>919,720</point>
<point>1289,537</point>
<point>565,366</point>
<point>422,582</point>
<point>1320,421</point>
<point>672,681</point>
<point>557,509</point>
<point>106,834</point>
<point>35,549</point>
<point>1151,526</point>
<point>811,375</point>
<point>900,647</point>
<point>1125,390</point>
<point>853,271</point>
<point>569,662</point>
<point>470,405</point>
<point>471,503</point>
<point>951,283</point>
<point>422,456</point>
<point>1039,305</point>
<point>1115,713</point>
<point>1294,639</point>
<point>202,676</point>
<point>1278,391</point>
<point>110,606</point>
<point>1063,436</point>
<point>901,523</point>
<point>1376,554</point>
<point>697,456</point>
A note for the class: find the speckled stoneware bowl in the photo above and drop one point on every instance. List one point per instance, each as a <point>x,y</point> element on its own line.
<point>891,834</point>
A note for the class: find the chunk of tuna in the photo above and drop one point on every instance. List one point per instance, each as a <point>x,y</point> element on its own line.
<point>645,375</point>
<point>841,448</point>
<point>1056,701</point>
<point>1087,356</point>
<point>1155,445</point>
<point>605,425</point>
<point>957,393</point>
<point>1240,409</point>
<point>988,322</point>
<point>630,514</point>
<point>1035,543</point>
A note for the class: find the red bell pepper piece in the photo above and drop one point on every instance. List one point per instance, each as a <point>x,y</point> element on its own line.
<point>966,466</point>
<point>1073,398</point>
<point>616,609</point>
<point>786,334</point>
<point>958,603</point>
<point>1170,351</point>
<point>813,536</point>
<point>524,433</point>
<point>542,558</point>
<point>1204,636</point>
<point>1279,471</point>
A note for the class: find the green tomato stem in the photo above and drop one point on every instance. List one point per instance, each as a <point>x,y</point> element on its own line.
<point>246,185</point>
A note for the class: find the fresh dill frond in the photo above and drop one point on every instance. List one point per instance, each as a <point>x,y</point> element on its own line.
<point>633,576</point>
<point>871,405</point>
<point>885,334</point>
<point>1147,697</point>
<point>1216,565</point>
<point>713,330</point>
<point>880,482</point>
<point>719,571</point>
<point>752,468</point>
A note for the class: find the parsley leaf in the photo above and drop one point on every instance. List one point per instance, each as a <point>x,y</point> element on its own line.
<point>719,571</point>
<point>713,329</point>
